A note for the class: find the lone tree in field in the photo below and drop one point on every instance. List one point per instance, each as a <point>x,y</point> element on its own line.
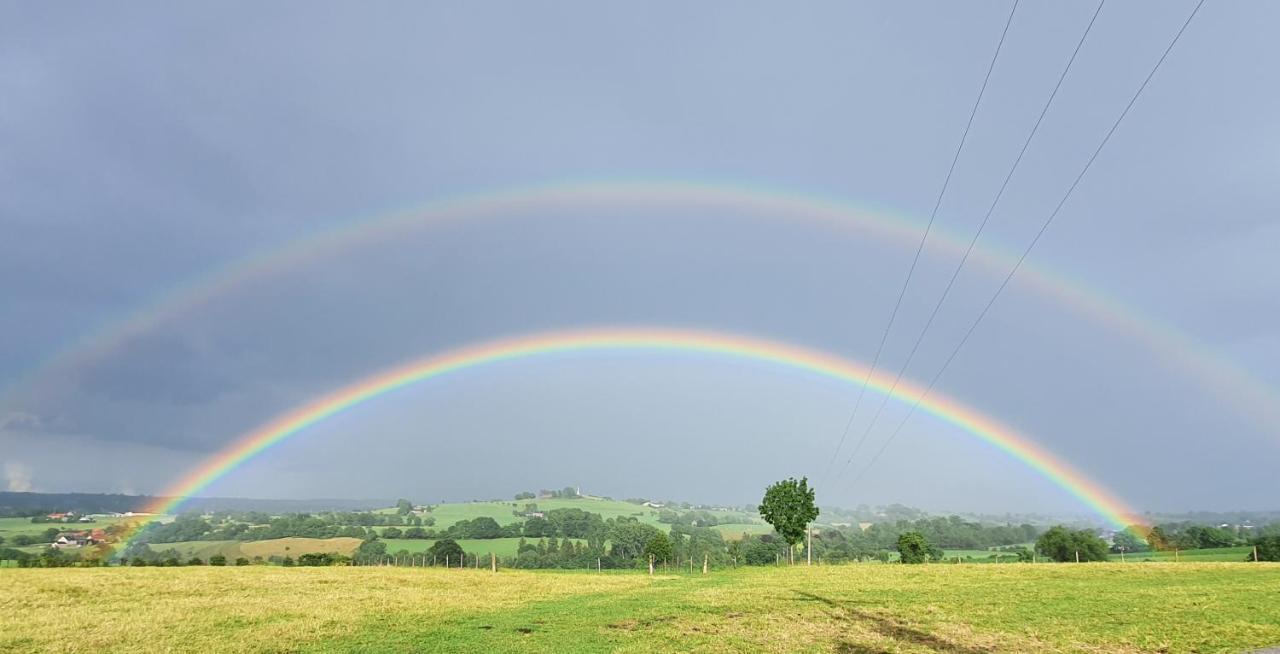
<point>658,548</point>
<point>913,547</point>
<point>788,505</point>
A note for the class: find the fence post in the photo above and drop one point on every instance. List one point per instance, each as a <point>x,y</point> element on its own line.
<point>650,565</point>
<point>1077,556</point>
<point>1255,553</point>
<point>493,561</point>
<point>704,563</point>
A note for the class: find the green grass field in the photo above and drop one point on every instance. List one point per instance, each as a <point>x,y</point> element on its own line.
<point>1225,554</point>
<point>735,531</point>
<point>232,549</point>
<point>967,609</point>
<point>499,546</point>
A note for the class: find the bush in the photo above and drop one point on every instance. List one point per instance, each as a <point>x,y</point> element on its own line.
<point>242,561</point>
<point>217,559</point>
<point>313,559</point>
<point>195,560</point>
<point>287,562</point>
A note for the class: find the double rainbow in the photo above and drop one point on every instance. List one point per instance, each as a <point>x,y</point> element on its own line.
<point>1213,373</point>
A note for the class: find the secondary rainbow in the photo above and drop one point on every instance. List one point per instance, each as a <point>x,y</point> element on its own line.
<point>1214,374</point>
<point>734,346</point>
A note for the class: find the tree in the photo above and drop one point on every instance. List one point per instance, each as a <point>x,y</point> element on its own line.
<point>658,547</point>
<point>629,538</point>
<point>482,527</point>
<point>371,550</point>
<point>446,550</point>
<point>1268,547</point>
<point>195,560</point>
<point>1062,545</point>
<point>242,561</point>
<point>217,559</point>
<point>1129,539</point>
<point>391,532</point>
<point>789,506</point>
<point>1157,539</point>
<point>539,528</point>
<point>914,548</point>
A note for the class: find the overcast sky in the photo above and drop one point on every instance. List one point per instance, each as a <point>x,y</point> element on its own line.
<point>144,145</point>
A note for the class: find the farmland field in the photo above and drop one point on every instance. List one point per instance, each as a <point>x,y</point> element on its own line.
<point>735,531</point>
<point>501,546</point>
<point>1228,554</point>
<point>1191,607</point>
<point>260,548</point>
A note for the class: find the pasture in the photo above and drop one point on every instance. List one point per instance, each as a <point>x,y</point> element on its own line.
<point>1190,607</point>
<point>503,547</point>
<point>1223,554</point>
<point>260,548</point>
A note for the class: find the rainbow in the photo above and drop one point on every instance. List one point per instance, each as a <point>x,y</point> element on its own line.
<point>811,361</point>
<point>1214,374</point>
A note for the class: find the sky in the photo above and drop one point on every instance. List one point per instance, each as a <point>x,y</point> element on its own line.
<point>143,147</point>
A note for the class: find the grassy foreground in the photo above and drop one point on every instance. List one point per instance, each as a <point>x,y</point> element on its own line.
<point>970,609</point>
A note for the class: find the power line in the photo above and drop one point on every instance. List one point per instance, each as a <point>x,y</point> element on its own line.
<point>955,274</point>
<point>915,260</point>
<point>1043,228</point>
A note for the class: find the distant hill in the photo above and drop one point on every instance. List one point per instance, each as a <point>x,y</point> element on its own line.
<point>21,504</point>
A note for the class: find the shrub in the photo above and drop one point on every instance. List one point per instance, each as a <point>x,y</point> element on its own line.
<point>242,561</point>
<point>217,559</point>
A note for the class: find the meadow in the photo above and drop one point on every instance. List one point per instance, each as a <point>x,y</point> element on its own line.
<point>503,547</point>
<point>970,609</point>
<point>265,549</point>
